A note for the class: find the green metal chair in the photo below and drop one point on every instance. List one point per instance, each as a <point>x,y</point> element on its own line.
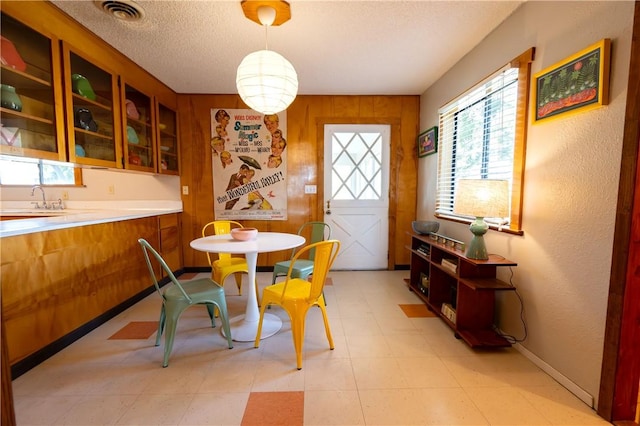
<point>177,296</point>
<point>314,232</point>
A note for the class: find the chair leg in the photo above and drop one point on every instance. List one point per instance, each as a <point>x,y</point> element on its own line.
<point>170,332</point>
<point>327,329</point>
<point>297,331</point>
<point>161,322</point>
<point>259,332</point>
<point>238,276</point>
<point>224,317</point>
<point>212,310</point>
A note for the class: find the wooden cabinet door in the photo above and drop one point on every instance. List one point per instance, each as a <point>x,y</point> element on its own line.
<point>32,120</point>
<point>168,159</point>
<point>170,247</point>
<point>94,121</point>
<point>139,137</point>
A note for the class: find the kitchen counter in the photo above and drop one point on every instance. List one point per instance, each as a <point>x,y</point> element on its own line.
<point>78,214</point>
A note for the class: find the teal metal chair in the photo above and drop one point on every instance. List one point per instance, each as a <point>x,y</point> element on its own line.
<point>178,296</point>
<point>314,232</point>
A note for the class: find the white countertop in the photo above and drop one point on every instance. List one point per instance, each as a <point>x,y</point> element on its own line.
<point>78,214</point>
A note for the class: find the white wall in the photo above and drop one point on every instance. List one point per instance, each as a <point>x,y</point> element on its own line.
<point>97,182</point>
<point>571,184</point>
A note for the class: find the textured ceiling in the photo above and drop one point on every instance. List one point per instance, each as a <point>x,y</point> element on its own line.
<point>337,47</point>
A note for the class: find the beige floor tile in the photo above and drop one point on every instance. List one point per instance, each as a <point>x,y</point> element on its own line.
<point>278,375</point>
<point>228,376</point>
<point>409,345</point>
<point>426,372</point>
<point>42,410</point>
<point>560,406</point>
<point>216,408</point>
<point>176,379</point>
<point>378,373</point>
<point>332,407</point>
<point>329,374</point>
<point>506,406</point>
<point>364,346</point>
<point>156,410</point>
<point>97,410</point>
<point>419,407</point>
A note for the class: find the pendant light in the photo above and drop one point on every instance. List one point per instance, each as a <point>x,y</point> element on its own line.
<point>266,80</point>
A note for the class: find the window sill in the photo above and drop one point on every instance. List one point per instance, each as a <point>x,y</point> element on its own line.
<point>493,227</point>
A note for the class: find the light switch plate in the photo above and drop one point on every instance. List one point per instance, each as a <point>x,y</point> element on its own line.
<point>310,189</point>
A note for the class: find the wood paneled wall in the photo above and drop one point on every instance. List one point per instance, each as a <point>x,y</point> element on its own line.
<point>306,118</point>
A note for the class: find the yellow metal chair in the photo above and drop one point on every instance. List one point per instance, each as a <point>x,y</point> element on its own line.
<point>314,232</point>
<point>226,264</point>
<point>178,296</point>
<point>296,295</point>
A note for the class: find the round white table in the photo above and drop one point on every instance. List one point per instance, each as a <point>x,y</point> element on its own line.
<point>245,327</point>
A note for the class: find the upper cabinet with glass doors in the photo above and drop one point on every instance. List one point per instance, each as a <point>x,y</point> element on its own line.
<point>139,138</point>
<point>32,123</point>
<point>168,140</point>
<point>93,111</point>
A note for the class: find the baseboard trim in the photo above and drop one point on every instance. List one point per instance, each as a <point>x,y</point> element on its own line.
<point>583,395</point>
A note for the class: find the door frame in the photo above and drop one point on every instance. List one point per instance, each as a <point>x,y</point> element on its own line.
<point>394,138</point>
<point>620,373</point>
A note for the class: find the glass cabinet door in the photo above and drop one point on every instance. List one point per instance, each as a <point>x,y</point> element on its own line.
<point>168,141</point>
<point>32,125</point>
<point>93,112</point>
<point>139,138</point>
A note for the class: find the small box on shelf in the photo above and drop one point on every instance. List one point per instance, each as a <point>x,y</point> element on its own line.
<point>424,250</point>
<point>449,312</point>
<point>424,283</point>
<point>450,264</point>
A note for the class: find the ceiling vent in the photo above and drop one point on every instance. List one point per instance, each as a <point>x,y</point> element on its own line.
<point>125,10</point>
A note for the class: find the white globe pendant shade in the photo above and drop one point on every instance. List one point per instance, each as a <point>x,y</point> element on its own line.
<point>267,82</point>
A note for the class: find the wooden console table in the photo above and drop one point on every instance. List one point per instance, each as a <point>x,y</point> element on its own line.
<point>441,275</point>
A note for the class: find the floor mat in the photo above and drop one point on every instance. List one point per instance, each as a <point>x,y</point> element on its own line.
<point>136,330</point>
<point>274,408</point>
<point>418,310</point>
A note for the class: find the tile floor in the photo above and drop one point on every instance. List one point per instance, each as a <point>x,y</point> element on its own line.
<point>390,366</point>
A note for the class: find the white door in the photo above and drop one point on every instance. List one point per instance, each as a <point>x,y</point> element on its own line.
<point>356,189</point>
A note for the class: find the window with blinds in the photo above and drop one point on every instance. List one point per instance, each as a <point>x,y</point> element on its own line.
<point>481,136</point>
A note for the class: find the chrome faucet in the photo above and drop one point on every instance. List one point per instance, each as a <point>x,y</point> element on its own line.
<point>44,200</point>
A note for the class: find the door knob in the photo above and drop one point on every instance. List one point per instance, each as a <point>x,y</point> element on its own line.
<point>328,207</point>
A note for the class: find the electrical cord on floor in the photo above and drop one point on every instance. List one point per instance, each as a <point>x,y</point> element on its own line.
<point>509,338</point>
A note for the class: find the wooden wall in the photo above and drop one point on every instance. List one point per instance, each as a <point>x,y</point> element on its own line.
<point>306,118</point>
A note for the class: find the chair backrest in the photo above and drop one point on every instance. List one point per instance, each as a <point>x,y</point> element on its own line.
<point>146,249</point>
<point>220,227</point>
<point>314,232</point>
<point>325,254</point>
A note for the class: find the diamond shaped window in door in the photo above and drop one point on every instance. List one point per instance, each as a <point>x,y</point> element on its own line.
<point>357,167</point>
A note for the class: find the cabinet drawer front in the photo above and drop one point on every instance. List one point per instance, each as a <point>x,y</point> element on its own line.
<point>168,220</point>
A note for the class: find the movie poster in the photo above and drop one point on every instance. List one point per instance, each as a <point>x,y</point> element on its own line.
<point>249,158</point>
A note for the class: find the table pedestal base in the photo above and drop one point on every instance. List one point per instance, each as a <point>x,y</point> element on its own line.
<point>245,331</point>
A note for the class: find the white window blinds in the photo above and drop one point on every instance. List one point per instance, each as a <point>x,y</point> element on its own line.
<point>477,136</point>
